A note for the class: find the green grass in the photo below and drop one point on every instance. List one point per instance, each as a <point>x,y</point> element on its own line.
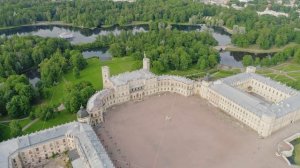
<point>5,129</point>
<point>290,68</point>
<point>91,73</point>
<point>224,73</point>
<point>61,118</point>
<point>190,72</point>
<point>296,153</point>
<point>256,49</point>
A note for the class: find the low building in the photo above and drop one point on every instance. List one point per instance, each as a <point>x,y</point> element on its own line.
<point>34,149</point>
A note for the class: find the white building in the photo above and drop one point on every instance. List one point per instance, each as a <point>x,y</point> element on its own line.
<point>34,149</point>
<point>259,102</point>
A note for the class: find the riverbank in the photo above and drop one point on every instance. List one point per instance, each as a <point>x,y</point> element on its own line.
<point>230,31</point>
<point>256,50</point>
<point>61,23</point>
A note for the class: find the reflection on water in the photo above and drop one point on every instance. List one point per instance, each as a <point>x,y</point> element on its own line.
<point>103,55</point>
<point>33,76</point>
<point>82,35</point>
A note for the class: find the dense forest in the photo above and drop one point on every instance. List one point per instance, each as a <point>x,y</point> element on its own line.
<point>264,31</point>
<point>167,49</point>
<point>51,56</point>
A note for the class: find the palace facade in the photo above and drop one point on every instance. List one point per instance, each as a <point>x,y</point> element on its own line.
<point>258,102</point>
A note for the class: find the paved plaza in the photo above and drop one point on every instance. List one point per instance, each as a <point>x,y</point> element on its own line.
<point>173,131</point>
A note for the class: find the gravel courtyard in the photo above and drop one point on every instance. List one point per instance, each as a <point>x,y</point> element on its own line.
<point>173,131</point>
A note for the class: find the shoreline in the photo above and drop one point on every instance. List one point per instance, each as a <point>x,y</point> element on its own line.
<point>61,23</point>
<point>232,48</point>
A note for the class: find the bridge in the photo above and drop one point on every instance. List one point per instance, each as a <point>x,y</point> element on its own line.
<point>221,48</point>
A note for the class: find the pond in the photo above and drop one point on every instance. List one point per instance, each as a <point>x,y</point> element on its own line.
<point>33,76</point>
<point>83,35</point>
<point>102,54</point>
<point>80,35</point>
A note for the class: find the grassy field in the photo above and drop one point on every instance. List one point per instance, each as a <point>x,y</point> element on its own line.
<point>255,49</point>
<point>296,154</point>
<point>91,73</point>
<point>287,73</point>
<point>5,129</point>
<point>224,73</point>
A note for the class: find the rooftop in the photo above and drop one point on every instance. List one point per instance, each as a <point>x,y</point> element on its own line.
<point>126,77</point>
<point>253,104</point>
<point>177,78</point>
<point>95,101</point>
<point>84,133</point>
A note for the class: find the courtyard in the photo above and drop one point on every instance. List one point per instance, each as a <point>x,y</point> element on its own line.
<point>173,131</point>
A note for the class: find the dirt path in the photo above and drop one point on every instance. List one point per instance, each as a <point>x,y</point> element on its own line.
<point>7,121</point>
<point>29,124</point>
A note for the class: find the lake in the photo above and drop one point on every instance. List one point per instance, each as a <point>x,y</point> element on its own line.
<point>102,54</point>
<point>83,35</point>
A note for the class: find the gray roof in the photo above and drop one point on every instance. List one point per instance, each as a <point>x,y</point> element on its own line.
<point>95,101</point>
<point>226,88</point>
<point>176,78</point>
<point>126,77</point>
<point>84,133</point>
<point>247,76</point>
<point>82,113</point>
<point>251,103</point>
<point>93,150</point>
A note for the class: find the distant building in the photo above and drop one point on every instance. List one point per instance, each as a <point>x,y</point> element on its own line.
<point>273,13</point>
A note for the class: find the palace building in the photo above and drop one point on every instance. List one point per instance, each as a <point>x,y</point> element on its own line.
<point>78,139</point>
<point>256,101</point>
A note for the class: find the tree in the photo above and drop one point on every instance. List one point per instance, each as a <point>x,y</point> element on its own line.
<point>265,62</point>
<point>117,50</point>
<point>212,60</point>
<point>18,106</point>
<point>202,63</point>
<point>257,61</point>
<point>15,128</point>
<point>45,112</point>
<point>52,69</point>
<point>78,95</point>
<point>76,72</point>
<point>247,60</point>
<point>297,55</point>
<point>77,60</point>
<point>158,66</point>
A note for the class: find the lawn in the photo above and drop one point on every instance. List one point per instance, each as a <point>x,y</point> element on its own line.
<point>91,73</point>
<point>192,72</point>
<point>256,49</point>
<point>296,154</point>
<point>5,129</point>
<point>287,73</point>
<point>224,73</point>
<point>61,118</point>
